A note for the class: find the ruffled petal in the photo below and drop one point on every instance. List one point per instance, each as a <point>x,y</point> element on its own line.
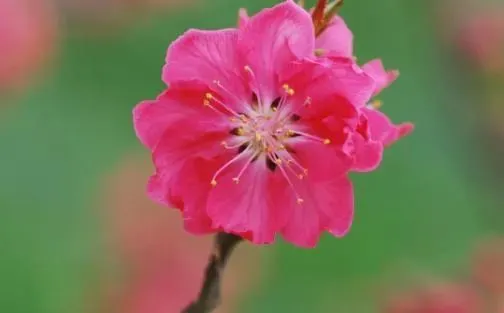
<point>245,208</point>
<point>336,39</point>
<point>327,205</point>
<point>330,77</point>
<point>273,38</point>
<point>368,154</point>
<point>181,104</point>
<point>382,78</point>
<point>208,56</point>
<point>383,130</point>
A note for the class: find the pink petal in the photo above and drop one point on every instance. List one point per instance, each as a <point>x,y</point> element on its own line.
<point>332,77</point>
<point>382,78</point>
<point>328,205</point>
<point>336,39</point>
<point>324,162</point>
<point>367,154</point>
<point>273,38</point>
<point>243,18</point>
<point>207,56</point>
<point>246,207</point>
<point>383,130</point>
<point>177,148</point>
<point>182,102</point>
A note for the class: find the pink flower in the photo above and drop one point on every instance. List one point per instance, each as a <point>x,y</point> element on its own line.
<point>439,298</point>
<point>161,267</point>
<point>481,37</point>
<point>333,40</point>
<point>255,135</point>
<point>488,265</point>
<point>27,35</point>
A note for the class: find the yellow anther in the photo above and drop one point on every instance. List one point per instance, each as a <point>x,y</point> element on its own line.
<point>206,103</point>
<point>376,104</point>
<point>288,89</point>
<point>274,109</point>
<point>258,136</point>
<point>327,141</point>
<point>236,180</point>
<point>213,183</point>
<point>299,201</point>
<point>208,96</point>
<point>240,131</point>
<point>281,147</point>
<point>290,132</point>
<point>355,58</point>
<point>278,162</point>
<point>320,52</point>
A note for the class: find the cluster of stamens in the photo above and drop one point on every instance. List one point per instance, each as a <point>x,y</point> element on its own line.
<point>263,133</point>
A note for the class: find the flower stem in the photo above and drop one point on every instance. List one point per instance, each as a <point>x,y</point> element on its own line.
<point>209,296</point>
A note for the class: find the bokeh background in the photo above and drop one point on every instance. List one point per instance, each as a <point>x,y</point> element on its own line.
<point>77,233</point>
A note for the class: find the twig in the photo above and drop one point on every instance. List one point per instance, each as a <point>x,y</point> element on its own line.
<point>209,297</point>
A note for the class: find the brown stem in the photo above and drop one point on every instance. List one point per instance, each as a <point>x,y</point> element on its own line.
<point>209,297</point>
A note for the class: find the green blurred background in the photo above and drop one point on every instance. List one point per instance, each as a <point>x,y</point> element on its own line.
<point>67,131</point>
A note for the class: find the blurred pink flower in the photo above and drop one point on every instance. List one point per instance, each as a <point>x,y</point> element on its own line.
<point>439,298</point>
<point>27,36</point>
<point>253,136</point>
<point>488,266</point>
<point>162,266</point>
<point>481,37</point>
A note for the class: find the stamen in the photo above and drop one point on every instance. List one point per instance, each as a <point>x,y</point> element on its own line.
<point>376,104</point>
<point>207,104</point>
<point>237,178</point>
<point>299,200</point>
<point>255,81</point>
<point>225,145</point>
<point>325,141</point>
<point>209,97</point>
<point>288,89</point>
<point>295,112</point>
<point>237,157</point>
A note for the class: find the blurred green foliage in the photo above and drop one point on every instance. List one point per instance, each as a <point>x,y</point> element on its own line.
<point>417,212</point>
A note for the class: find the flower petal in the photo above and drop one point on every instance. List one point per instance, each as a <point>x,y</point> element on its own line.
<point>383,130</point>
<point>329,77</point>
<point>243,18</point>
<point>382,78</point>
<point>182,102</point>
<point>336,39</point>
<point>207,56</point>
<point>245,207</point>
<point>327,205</point>
<point>367,154</point>
<point>273,38</point>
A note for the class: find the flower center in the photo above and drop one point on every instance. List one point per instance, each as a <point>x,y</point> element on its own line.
<point>264,132</point>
